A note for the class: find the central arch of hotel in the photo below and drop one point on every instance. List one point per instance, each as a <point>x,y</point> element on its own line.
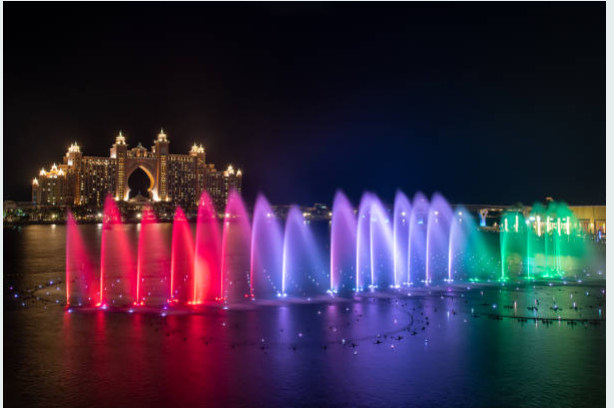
<point>149,167</point>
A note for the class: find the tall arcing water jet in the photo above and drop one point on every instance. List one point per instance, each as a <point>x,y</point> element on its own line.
<point>417,238</point>
<point>154,262</point>
<point>363,247</point>
<point>207,282</point>
<point>82,283</point>
<point>374,245</point>
<point>437,237</point>
<point>117,261</point>
<point>342,246</point>
<point>182,260</point>
<point>302,265</point>
<point>401,239</point>
<point>237,283</point>
<point>266,271</point>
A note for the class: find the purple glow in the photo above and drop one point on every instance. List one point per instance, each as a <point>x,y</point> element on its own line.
<point>342,245</point>
<point>266,255</point>
<point>374,245</point>
<point>437,237</point>
<point>417,236</point>
<point>363,235</point>
<point>301,260</point>
<point>401,235</point>
<point>237,284</point>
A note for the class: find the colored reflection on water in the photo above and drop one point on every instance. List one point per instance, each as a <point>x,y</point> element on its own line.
<point>444,345</point>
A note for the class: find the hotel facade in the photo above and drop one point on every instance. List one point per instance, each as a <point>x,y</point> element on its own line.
<point>177,178</point>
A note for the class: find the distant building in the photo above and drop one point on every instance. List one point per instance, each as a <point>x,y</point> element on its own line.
<point>591,218</point>
<point>220,183</point>
<point>52,187</point>
<point>177,178</point>
<point>316,212</point>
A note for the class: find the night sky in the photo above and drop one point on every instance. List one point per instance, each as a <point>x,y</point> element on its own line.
<point>485,103</point>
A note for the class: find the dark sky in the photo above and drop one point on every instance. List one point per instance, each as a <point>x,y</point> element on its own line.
<point>483,102</point>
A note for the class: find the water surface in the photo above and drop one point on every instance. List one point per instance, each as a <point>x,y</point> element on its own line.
<point>442,346</point>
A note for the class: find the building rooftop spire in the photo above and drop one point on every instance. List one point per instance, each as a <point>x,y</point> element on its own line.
<point>162,136</point>
<point>120,139</point>
<point>74,148</point>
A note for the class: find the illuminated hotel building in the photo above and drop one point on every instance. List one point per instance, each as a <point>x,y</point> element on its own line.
<point>176,178</point>
<point>221,183</point>
<point>51,187</point>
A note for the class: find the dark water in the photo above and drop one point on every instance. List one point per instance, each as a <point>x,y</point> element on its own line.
<point>437,347</point>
